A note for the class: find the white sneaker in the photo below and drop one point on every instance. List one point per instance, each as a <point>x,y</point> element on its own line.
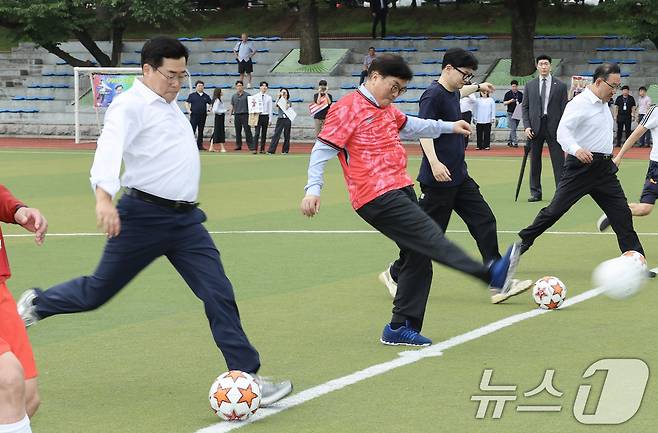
<point>603,223</point>
<point>271,392</point>
<point>388,281</point>
<point>516,287</point>
<point>26,308</point>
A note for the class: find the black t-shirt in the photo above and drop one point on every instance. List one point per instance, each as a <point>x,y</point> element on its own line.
<point>510,95</point>
<point>199,102</point>
<point>322,113</point>
<point>438,103</point>
<point>624,105</point>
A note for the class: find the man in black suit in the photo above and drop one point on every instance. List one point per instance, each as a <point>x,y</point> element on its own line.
<point>379,9</point>
<point>543,104</point>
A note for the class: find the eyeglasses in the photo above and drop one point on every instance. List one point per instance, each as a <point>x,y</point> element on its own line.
<point>466,76</point>
<point>174,78</point>
<point>397,89</point>
<point>615,87</point>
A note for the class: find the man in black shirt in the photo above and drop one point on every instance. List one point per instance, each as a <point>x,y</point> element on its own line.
<point>624,112</point>
<point>198,105</point>
<point>511,100</point>
<point>323,97</point>
<point>444,180</point>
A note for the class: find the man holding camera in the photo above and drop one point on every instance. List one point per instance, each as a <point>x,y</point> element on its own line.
<point>323,97</point>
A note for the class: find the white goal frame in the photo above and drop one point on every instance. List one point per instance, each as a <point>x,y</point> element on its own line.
<point>77,71</point>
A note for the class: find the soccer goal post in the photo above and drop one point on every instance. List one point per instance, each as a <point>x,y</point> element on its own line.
<point>105,84</point>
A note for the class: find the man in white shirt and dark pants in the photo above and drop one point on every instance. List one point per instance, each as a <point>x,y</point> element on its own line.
<point>585,134</point>
<point>158,214</point>
<point>264,118</point>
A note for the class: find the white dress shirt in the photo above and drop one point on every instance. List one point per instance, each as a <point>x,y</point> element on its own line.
<point>549,82</point>
<point>467,103</point>
<point>586,124</point>
<point>484,110</point>
<point>218,107</point>
<point>267,105</point>
<point>156,143</point>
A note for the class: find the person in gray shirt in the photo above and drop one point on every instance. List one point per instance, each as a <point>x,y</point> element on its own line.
<point>244,50</point>
<point>240,109</point>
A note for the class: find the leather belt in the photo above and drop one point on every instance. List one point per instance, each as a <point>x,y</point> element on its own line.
<point>177,205</point>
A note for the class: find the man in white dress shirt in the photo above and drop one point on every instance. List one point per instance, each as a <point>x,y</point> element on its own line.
<point>157,214</point>
<point>585,134</point>
<point>264,118</point>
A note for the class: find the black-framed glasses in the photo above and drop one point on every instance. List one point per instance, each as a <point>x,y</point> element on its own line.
<point>615,87</point>
<point>397,89</point>
<point>173,78</point>
<point>466,76</point>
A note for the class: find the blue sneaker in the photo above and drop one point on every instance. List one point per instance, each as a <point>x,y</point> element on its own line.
<point>503,269</point>
<point>403,336</point>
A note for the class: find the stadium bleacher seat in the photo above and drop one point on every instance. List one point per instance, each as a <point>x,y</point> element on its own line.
<point>18,110</point>
<point>449,37</point>
<point>349,86</point>
<point>49,86</point>
<point>611,37</point>
<point>131,63</point>
<point>32,98</point>
<point>540,36</point>
<point>193,39</point>
<point>621,61</point>
<point>440,49</point>
<point>56,74</point>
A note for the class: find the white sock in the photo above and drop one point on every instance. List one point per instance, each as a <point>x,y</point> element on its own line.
<point>22,426</point>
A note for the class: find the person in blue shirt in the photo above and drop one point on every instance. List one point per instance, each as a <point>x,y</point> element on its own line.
<point>444,180</point>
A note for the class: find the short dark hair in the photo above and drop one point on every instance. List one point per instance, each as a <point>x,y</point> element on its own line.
<point>371,48</point>
<point>391,65</point>
<point>625,88</point>
<point>604,70</point>
<point>642,88</point>
<point>459,58</point>
<point>543,57</point>
<point>239,82</point>
<point>513,82</point>
<point>161,47</point>
<point>264,82</point>
<point>287,92</point>
<point>322,83</point>
<point>199,82</point>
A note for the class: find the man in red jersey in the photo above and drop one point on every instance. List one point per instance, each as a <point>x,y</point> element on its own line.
<point>19,398</point>
<point>364,129</point>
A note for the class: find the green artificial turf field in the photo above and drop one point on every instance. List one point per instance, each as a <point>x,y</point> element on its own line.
<point>312,305</point>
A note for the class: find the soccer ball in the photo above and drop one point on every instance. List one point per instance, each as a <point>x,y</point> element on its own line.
<point>637,258</point>
<point>234,396</point>
<point>549,293</point>
<point>620,278</point>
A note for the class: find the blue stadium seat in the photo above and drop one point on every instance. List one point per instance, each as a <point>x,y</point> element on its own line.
<point>296,100</point>
<point>440,49</point>
<point>472,49</point>
<point>449,37</point>
<point>349,86</point>
<point>193,39</point>
<point>479,37</point>
<point>431,62</point>
<point>540,37</point>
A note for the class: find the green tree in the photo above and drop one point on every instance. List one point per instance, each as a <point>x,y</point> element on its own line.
<point>50,22</point>
<point>640,18</point>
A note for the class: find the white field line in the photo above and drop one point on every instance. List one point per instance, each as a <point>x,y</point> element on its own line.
<point>404,358</point>
<point>324,232</point>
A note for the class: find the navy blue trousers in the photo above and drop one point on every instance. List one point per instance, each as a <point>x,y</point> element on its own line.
<point>149,231</point>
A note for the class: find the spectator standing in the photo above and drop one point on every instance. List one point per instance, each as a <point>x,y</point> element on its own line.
<point>198,104</point>
<point>367,60</point>
<point>219,132</point>
<point>624,112</point>
<point>511,99</point>
<point>265,117</point>
<point>643,104</point>
<point>323,97</point>
<point>244,50</point>
<point>543,104</point>
<point>484,116</point>
<point>379,10</point>
<point>467,105</point>
<point>240,109</point>
<point>283,124</point>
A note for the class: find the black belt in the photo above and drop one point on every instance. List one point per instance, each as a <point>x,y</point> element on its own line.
<point>598,155</point>
<point>178,205</point>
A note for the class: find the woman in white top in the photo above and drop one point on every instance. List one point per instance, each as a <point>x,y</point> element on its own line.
<point>283,124</point>
<point>219,133</point>
<point>484,115</point>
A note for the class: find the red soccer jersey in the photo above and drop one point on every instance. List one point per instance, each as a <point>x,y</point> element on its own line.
<point>8,205</point>
<point>371,154</point>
